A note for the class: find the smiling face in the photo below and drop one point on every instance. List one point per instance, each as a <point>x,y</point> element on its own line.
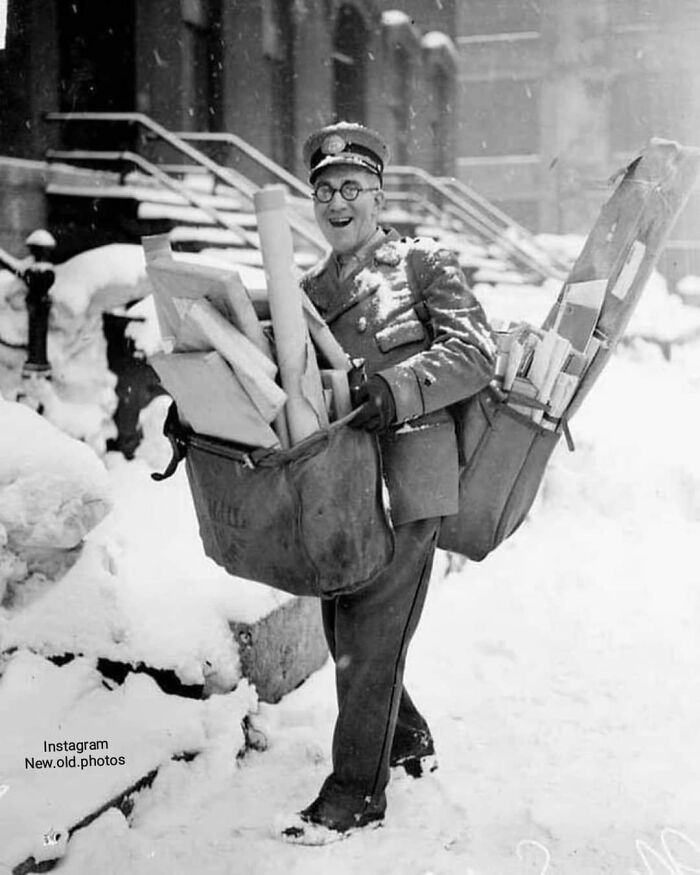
<point>347,225</point>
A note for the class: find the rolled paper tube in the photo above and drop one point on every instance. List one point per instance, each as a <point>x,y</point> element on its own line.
<point>304,409</point>
<point>322,336</point>
<point>280,427</point>
<point>337,382</point>
<point>328,401</point>
<point>250,366</point>
<point>243,313</point>
<point>311,385</point>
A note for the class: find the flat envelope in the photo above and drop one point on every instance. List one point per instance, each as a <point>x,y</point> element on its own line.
<point>211,399</point>
<point>579,311</point>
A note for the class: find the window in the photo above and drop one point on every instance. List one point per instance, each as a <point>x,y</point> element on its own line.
<point>202,64</point>
<point>626,13</point>
<point>349,65</point>
<point>645,105</point>
<point>401,103</point>
<point>440,89</point>
<point>499,16</point>
<point>281,59</point>
<point>499,117</point>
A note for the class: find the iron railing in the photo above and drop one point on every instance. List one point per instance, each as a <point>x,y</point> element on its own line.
<point>435,196</point>
<point>217,217</point>
<point>225,175</point>
<point>480,217</point>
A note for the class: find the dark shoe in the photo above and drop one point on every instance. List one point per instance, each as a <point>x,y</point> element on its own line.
<point>414,752</point>
<point>417,766</point>
<point>323,822</point>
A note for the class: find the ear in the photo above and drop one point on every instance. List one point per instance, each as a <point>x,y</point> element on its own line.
<point>379,200</point>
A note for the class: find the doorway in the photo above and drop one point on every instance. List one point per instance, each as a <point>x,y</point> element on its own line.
<point>97,69</point>
<point>350,66</point>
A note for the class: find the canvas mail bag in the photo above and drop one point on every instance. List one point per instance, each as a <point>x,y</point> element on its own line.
<point>310,520</point>
<point>504,455</point>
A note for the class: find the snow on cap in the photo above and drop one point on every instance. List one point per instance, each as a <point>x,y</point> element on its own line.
<point>345,143</point>
<point>40,237</point>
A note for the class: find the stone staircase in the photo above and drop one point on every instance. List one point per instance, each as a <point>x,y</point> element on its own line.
<point>165,184</point>
<point>99,206</point>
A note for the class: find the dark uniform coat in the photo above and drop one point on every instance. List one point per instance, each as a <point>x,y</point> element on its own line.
<point>428,362</point>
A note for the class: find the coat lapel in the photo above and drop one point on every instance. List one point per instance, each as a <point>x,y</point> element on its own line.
<point>332,296</point>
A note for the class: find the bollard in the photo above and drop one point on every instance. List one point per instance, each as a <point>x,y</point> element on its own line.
<point>38,276</point>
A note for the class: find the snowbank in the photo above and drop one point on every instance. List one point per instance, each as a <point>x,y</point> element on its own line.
<point>86,745</point>
<point>557,675</point>
<point>143,591</point>
<point>53,491</point>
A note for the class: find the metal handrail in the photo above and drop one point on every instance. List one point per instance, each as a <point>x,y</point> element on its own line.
<point>479,223</point>
<point>153,170</point>
<point>474,221</point>
<point>480,218</point>
<point>251,152</point>
<point>224,174</point>
<point>415,200</point>
<point>282,174</point>
<point>506,220</point>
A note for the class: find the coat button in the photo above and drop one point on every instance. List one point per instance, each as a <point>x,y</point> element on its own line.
<point>362,324</point>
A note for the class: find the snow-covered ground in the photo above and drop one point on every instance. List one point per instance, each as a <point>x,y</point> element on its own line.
<point>558,675</point>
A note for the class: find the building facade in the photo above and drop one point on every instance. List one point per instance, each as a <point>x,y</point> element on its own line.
<point>532,102</point>
<point>268,70</point>
<point>554,95</point>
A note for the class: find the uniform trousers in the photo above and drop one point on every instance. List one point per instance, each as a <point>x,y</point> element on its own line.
<point>368,634</point>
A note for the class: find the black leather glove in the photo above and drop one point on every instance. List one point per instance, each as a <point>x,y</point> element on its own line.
<point>376,403</point>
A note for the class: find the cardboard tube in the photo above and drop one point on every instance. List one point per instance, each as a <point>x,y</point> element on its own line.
<point>305,408</point>
<point>337,382</point>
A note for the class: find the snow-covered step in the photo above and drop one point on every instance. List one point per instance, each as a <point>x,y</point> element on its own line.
<point>229,244</point>
<point>183,212</point>
<point>146,194</point>
<point>486,274</point>
<point>71,747</point>
<point>212,236</point>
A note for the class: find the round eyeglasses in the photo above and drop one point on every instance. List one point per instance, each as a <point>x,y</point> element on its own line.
<point>349,191</point>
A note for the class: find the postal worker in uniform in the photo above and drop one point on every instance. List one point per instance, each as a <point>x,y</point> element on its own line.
<point>404,306</point>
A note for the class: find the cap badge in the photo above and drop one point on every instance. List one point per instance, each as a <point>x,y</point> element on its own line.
<point>333,145</point>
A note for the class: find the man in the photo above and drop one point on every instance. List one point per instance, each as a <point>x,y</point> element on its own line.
<point>403,306</point>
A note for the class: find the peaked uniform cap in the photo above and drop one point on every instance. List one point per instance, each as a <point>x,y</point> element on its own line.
<point>345,143</point>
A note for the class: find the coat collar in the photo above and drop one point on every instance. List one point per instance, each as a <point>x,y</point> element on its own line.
<point>377,251</point>
<point>322,280</point>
